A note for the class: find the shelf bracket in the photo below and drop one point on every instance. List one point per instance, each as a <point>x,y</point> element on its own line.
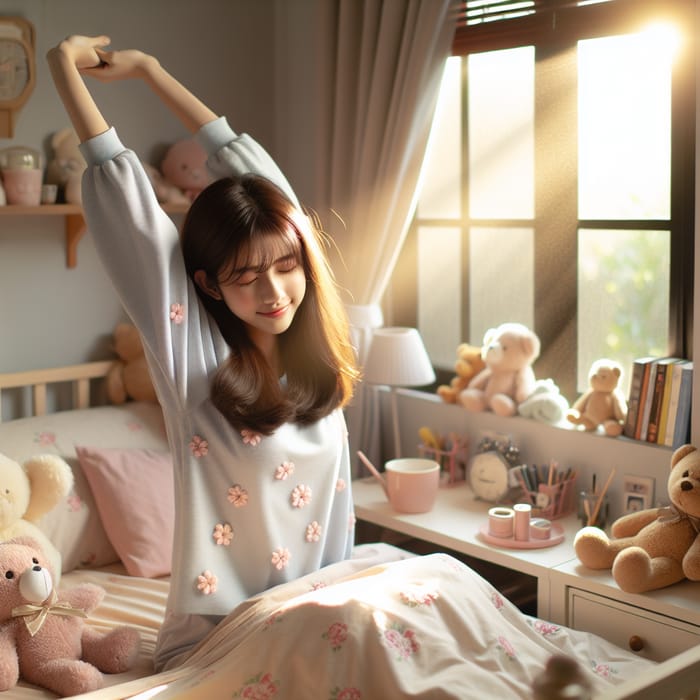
<point>75,230</point>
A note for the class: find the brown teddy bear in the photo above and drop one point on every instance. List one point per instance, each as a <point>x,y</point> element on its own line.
<point>508,379</point>
<point>43,638</point>
<point>469,364</point>
<point>129,378</point>
<point>655,547</point>
<point>604,403</point>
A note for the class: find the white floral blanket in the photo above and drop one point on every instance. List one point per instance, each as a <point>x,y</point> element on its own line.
<point>423,627</point>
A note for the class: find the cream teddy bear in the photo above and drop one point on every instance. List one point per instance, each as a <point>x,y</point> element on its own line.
<point>27,492</point>
<point>67,165</point>
<point>508,378</point>
<point>604,403</point>
<point>654,547</point>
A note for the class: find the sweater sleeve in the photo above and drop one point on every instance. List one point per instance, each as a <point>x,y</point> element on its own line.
<point>139,247</point>
<point>233,154</point>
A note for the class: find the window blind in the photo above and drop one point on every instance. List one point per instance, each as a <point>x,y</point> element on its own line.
<point>489,25</point>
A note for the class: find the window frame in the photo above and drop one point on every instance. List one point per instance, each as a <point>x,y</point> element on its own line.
<point>554,27</point>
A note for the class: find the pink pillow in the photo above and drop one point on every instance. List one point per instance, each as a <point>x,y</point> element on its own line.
<point>133,489</point>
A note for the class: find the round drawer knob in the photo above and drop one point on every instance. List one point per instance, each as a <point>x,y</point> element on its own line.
<point>636,643</point>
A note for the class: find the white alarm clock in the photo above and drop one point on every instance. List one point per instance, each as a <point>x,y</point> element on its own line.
<point>488,476</point>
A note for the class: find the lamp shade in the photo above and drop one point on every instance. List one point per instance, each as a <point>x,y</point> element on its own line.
<point>397,357</point>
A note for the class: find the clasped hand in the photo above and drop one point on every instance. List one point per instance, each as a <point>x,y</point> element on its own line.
<point>89,56</point>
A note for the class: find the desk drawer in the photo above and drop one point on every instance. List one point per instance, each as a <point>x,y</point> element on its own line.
<point>660,637</point>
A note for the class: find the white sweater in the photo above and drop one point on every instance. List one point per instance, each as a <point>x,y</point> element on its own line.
<point>250,512</point>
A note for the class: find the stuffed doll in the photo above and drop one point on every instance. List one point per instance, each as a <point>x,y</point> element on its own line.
<point>655,547</point>
<point>604,403</point>
<point>469,363</point>
<point>66,166</point>
<point>508,379</point>
<point>43,637</point>
<point>128,377</point>
<point>185,166</point>
<point>27,492</point>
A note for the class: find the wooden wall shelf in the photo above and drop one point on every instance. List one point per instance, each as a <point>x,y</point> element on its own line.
<point>74,222</point>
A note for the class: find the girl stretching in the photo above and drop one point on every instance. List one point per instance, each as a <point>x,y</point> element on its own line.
<point>247,344</point>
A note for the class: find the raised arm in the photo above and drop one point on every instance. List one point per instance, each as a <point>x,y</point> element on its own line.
<point>79,55</point>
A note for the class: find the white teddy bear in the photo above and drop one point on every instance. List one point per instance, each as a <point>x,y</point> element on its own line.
<point>29,491</point>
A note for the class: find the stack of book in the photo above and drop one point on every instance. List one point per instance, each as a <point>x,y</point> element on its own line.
<point>658,409</point>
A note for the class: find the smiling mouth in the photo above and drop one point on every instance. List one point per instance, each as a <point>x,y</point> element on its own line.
<point>276,313</point>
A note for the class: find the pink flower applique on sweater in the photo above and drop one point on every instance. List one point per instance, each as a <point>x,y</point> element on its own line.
<point>285,470</point>
<point>177,313</point>
<point>223,534</point>
<point>300,496</point>
<point>313,532</point>
<point>206,582</point>
<point>280,558</point>
<point>250,437</point>
<point>199,447</point>
<point>340,485</point>
<point>238,496</point>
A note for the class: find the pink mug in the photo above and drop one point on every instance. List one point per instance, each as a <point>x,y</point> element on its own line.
<point>412,484</point>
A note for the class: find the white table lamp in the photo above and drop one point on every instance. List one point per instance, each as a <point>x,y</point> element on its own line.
<point>397,358</point>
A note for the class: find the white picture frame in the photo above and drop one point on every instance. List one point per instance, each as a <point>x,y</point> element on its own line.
<point>637,493</point>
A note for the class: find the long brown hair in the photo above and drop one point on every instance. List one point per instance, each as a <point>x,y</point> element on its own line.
<point>229,220</point>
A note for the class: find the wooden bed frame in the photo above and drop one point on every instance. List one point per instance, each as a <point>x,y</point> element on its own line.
<point>78,376</point>
<point>677,677</point>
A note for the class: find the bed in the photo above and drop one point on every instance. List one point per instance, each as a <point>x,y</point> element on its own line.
<point>384,624</point>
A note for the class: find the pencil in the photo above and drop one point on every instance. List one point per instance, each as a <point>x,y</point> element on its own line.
<point>599,502</point>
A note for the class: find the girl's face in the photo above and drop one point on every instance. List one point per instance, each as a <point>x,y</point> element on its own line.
<point>265,286</point>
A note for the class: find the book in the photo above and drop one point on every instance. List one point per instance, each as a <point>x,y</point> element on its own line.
<point>676,375</point>
<point>681,432</point>
<point>646,397</point>
<point>666,401</point>
<point>636,380</point>
<point>663,368</point>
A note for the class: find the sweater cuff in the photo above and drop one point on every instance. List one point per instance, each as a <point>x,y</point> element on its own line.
<point>215,134</point>
<point>101,148</point>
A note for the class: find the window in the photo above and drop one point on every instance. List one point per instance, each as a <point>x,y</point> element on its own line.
<point>558,186</point>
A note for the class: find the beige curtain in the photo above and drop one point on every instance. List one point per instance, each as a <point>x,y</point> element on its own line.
<point>371,71</point>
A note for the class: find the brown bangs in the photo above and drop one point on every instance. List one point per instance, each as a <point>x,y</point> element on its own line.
<point>261,249</point>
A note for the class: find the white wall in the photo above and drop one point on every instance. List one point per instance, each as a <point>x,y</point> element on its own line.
<point>222,49</point>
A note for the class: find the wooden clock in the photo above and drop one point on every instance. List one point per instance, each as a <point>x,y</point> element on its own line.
<point>17,69</point>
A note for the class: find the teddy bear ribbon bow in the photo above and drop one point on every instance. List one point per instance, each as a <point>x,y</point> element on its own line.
<point>35,615</point>
<point>672,514</point>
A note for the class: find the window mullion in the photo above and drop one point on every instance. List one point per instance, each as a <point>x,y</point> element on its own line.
<point>556,215</point>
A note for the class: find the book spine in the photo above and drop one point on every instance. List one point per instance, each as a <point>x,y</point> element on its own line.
<point>656,399</point>
<point>645,402</point>
<point>673,404</point>
<point>636,381</point>
<point>682,427</point>
<point>666,402</point>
